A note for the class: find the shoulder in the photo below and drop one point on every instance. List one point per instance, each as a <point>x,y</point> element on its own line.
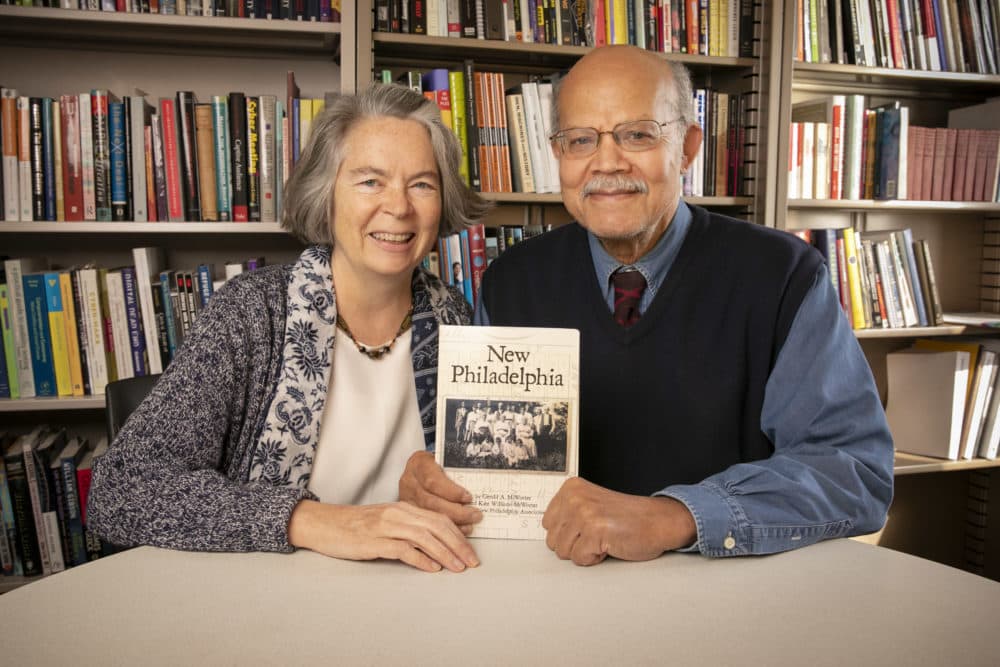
<point>757,244</point>
<point>447,302</point>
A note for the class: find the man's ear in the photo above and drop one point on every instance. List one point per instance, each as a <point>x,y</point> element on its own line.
<point>692,144</point>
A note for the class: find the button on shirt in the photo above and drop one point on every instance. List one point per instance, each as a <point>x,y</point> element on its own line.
<point>821,412</point>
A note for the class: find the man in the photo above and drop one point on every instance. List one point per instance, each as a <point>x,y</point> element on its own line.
<point>726,406</point>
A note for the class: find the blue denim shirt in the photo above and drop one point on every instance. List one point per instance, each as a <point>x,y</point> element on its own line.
<point>832,468</point>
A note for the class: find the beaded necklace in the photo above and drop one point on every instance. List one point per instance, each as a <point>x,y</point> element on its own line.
<point>376,353</point>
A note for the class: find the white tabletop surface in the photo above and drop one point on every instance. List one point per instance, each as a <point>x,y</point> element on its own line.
<point>835,603</point>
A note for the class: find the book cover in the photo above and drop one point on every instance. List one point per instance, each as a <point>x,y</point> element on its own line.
<point>99,109</point>
<point>187,153</point>
<point>6,328</point>
<point>59,346</point>
<point>8,144</point>
<point>205,160</point>
<point>116,139</point>
<point>73,349</point>
<point>220,127</point>
<point>237,155</point>
<point>252,158</point>
<point>140,118</point>
<point>21,508</point>
<point>71,165</point>
<point>507,416</point>
<point>926,400</point>
<point>171,161</point>
<point>89,281</point>
<point>136,335</point>
<point>39,334</point>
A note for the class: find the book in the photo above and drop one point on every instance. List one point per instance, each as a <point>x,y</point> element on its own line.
<point>925,406</point>
<point>149,262</point>
<point>494,382</point>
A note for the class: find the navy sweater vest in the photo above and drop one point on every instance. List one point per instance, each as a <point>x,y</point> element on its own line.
<point>678,396</point>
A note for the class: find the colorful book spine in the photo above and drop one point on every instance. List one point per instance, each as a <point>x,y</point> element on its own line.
<point>99,100</point>
<point>59,347</point>
<point>72,169</point>
<point>136,336</point>
<point>220,127</point>
<point>171,161</point>
<point>73,351</point>
<point>39,335</point>
<point>116,141</point>
<point>6,328</point>
<point>238,156</point>
<point>24,519</point>
<point>87,156</point>
<point>252,158</point>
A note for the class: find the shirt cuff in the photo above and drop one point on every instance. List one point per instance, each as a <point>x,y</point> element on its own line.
<point>722,528</point>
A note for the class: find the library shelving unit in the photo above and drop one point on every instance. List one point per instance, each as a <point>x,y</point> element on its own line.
<point>520,61</point>
<point>932,497</point>
<point>49,52</point>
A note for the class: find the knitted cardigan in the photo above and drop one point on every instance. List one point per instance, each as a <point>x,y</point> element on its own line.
<point>219,453</point>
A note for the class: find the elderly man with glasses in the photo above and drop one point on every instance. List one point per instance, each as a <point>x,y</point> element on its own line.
<point>725,406</point>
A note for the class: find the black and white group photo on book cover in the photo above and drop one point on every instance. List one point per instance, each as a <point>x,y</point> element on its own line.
<point>506,435</point>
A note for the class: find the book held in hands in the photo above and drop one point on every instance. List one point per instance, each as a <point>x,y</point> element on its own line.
<point>507,420</point>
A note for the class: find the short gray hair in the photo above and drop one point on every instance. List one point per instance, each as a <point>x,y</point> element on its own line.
<point>308,195</point>
<point>683,95</point>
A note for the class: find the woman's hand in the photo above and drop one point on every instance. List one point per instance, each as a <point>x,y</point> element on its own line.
<point>400,531</point>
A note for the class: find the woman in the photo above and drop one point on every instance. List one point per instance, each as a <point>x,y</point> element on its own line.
<point>287,418</point>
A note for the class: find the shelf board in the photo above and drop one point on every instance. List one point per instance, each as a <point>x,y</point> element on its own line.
<point>72,28</point>
<point>404,50</point>
<point>915,332</point>
<point>263,228</point>
<point>894,205</point>
<point>853,76</point>
<point>51,403</point>
<point>556,198</point>
<point>911,464</point>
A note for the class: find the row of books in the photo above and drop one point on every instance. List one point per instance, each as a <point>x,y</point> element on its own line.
<point>325,11</point>
<point>93,156</point>
<point>885,279</point>
<point>504,132</point>
<point>68,332</point>
<point>943,399</point>
<point>705,27</point>
<point>44,481</point>
<point>460,259</point>
<point>930,35</point>
<point>839,149</point>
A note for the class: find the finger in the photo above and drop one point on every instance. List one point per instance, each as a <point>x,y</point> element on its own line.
<point>407,553</point>
<point>562,538</point>
<point>587,551</point>
<point>459,514</point>
<point>439,538</point>
<point>435,481</point>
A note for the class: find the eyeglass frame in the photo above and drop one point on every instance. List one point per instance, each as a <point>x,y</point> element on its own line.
<point>556,139</point>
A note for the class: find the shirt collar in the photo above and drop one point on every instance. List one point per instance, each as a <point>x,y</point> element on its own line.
<point>654,265</point>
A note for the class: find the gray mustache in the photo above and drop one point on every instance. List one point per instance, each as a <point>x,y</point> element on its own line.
<point>614,184</point>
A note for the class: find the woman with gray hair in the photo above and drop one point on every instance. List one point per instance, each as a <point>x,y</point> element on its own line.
<point>288,416</point>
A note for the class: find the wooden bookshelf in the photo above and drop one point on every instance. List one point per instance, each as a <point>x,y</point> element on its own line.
<point>913,464</point>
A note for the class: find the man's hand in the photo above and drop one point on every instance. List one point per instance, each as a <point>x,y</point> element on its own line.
<point>425,485</point>
<point>399,531</point>
<point>587,523</point>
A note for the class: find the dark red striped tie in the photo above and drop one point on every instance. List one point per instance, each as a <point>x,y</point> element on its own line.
<point>629,286</point>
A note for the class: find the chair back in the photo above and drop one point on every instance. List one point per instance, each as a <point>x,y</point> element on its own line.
<point>122,397</point>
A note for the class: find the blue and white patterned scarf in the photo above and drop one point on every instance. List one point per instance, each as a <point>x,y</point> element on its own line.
<point>287,443</point>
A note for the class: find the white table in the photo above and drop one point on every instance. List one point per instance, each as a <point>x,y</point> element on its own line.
<point>835,603</point>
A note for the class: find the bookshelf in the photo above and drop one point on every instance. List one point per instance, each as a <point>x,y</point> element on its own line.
<point>49,52</point>
<point>521,61</point>
<point>932,513</point>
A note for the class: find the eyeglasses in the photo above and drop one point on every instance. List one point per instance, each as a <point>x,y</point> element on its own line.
<point>634,135</point>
